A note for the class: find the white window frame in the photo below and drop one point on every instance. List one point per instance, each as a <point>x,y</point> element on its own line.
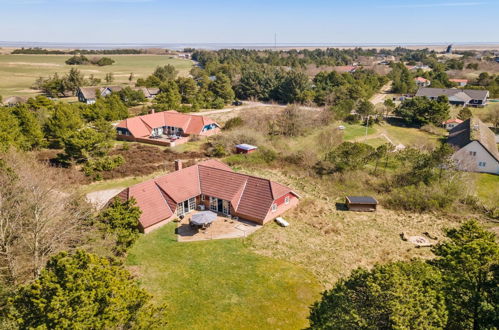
<point>203,197</point>
<point>274,207</point>
<point>286,200</point>
<point>482,164</point>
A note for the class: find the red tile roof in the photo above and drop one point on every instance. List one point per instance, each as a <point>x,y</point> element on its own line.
<point>142,126</point>
<point>421,79</point>
<point>249,196</point>
<point>454,120</point>
<point>459,80</point>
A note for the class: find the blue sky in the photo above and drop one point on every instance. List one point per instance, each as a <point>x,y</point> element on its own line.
<point>250,21</point>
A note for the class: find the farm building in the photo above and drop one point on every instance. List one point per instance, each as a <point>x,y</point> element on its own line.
<point>213,185</point>
<point>463,97</point>
<point>361,203</point>
<point>245,148</point>
<point>169,128</point>
<point>476,148</point>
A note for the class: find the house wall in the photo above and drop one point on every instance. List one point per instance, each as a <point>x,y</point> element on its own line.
<point>281,207</point>
<point>158,224</point>
<point>210,132</point>
<point>361,207</point>
<point>467,162</point>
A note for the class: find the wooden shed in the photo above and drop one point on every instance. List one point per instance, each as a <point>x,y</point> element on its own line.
<point>361,203</point>
<point>245,148</point>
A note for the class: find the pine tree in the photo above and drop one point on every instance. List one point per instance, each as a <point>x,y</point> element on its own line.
<point>84,291</point>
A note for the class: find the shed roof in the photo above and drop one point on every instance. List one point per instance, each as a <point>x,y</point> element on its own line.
<point>361,200</point>
<point>245,146</point>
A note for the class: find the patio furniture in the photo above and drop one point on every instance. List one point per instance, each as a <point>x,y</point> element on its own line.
<point>203,218</point>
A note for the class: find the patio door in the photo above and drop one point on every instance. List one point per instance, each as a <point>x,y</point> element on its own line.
<point>226,207</point>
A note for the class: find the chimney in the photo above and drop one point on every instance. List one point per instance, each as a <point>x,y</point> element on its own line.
<point>152,111</point>
<point>178,165</point>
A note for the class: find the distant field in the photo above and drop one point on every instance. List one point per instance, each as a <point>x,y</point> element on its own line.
<point>221,284</point>
<point>18,72</point>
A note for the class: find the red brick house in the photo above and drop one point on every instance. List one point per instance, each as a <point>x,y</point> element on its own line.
<point>168,128</point>
<point>215,186</point>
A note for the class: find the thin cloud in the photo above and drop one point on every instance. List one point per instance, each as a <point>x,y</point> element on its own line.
<point>441,4</point>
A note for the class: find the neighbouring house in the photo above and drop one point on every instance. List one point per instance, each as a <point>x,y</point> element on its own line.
<point>89,95</point>
<point>14,100</point>
<point>213,185</point>
<point>462,97</point>
<point>476,148</point>
<point>149,93</point>
<point>422,82</point>
<point>245,148</point>
<point>168,128</point>
<point>451,123</point>
<point>460,82</point>
<point>361,203</point>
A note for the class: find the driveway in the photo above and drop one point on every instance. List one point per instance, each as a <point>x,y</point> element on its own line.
<point>100,198</point>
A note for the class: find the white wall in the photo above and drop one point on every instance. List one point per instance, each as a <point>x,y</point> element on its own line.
<point>467,162</point>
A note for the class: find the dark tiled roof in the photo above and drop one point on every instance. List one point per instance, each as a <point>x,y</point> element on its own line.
<point>361,200</point>
<point>470,130</point>
<point>465,94</point>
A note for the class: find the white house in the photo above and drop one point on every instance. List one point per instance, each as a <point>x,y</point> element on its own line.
<point>476,148</point>
<point>451,123</point>
<point>422,82</point>
<point>459,82</point>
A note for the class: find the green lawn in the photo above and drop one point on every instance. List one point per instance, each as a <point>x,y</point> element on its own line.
<point>488,188</point>
<point>353,131</point>
<point>220,284</point>
<point>409,136</point>
<point>19,72</point>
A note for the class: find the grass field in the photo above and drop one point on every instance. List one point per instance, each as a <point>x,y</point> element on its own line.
<point>221,284</point>
<point>488,188</point>
<point>353,131</point>
<point>19,72</point>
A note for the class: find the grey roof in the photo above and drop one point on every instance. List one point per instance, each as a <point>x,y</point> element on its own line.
<point>361,200</point>
<point>456,94</point>
<point>474,129</point>
<point>15,100</point>
<point>89,92</point>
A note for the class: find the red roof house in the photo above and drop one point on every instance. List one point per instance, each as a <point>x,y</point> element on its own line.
<point>422,82</point>
<point>460,82</point>
<point>214,185</point>
<point>167,128</point>
<point>451,123</point>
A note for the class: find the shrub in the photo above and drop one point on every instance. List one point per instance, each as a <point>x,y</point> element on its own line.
<point>233,122</point>
<point>424,198</point>
<point>107,163</point>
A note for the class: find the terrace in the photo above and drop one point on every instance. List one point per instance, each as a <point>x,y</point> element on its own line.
<point>222,228</point>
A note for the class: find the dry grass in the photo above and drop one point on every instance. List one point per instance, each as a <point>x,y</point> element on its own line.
<point>332,242</point>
